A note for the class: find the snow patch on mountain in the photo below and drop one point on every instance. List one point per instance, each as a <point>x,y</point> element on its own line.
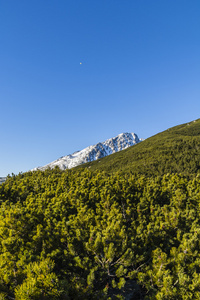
<point>2,179</point>
<point>94,152</point>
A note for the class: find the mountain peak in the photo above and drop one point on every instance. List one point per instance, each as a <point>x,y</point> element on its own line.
<point>94,152</point>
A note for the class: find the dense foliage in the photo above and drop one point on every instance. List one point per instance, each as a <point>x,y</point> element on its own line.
<point>176,150</point>
<point>124,227</point>
<point>89,235</point>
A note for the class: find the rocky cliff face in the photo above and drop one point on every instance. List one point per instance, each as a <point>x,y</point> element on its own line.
<point>118,143</point>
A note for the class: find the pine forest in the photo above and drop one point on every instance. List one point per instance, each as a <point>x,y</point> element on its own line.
<point>124,227</point>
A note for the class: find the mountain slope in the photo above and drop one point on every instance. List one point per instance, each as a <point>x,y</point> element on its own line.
<point>174,150</point>
<point>2,179</point>
<point>91,153</point>
<point>82,234</point>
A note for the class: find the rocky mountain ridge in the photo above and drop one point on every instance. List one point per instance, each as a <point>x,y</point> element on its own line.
<point>94,152</point>
<point>2,179</point>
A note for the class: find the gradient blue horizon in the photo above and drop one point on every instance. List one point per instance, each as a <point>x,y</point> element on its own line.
<point>74,73</point>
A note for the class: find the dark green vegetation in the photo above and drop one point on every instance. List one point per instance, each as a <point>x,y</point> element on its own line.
<point>91,234</point>
<point>2,179</point>
<point>176,150</point>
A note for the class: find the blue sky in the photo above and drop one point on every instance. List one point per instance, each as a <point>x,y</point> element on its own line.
<point>140,73</point>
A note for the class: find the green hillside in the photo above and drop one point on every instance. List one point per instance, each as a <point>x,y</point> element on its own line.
<point>176,150</point>
<point>110,231</point>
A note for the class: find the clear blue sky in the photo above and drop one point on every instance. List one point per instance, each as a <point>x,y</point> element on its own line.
<point>140,73</point>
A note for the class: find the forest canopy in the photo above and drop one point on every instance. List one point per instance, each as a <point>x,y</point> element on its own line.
<point>87,235</point>
<point>124,227</point>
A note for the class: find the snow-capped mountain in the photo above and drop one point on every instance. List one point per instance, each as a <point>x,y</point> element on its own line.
<point>2,179</point>
<point>118,143</point>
